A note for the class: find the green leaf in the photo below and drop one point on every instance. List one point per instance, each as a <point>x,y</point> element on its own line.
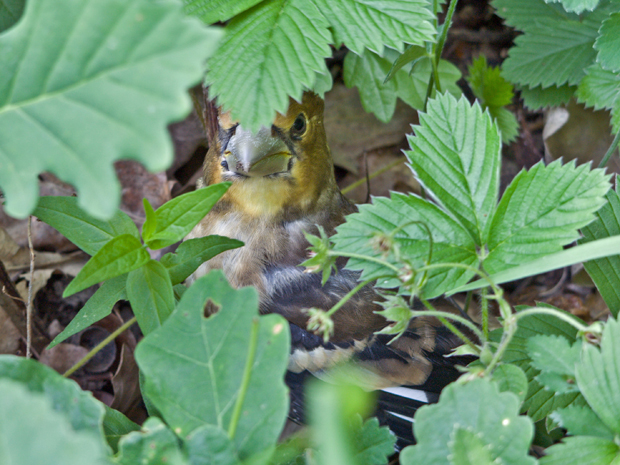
<point>150,224</point>
<point>581,421</point>
<point>456,156</point>
<point>115,426</point>
<point>581,451</point>
<point>481,409</point>
<point>194,252</point>
<point>208,358</point>
<point>488,85</point>
<point>598,376</point>
<point>520,14</point>
<point>323,84</point>
<point>96,308</point>
<point>608,43</point>
<point>209,445</point>
<point>10,12</point>
<point>411,215</point>
<point>599,88</point>
<point>576,6</point>
<point>411,54</point>
<point>556,359</point>
<point>506,122</point>
<point>605,272</point>
<point>150,294</point>
<point>176,218</point>
<point>511,378</point>
<point>120,255</point>
<point>35,433</point>
<point>212,11</point>
<point>88,233</point>
<point>467,448</point>
<point>268,53</point>
<point>88,82</point>
<point>373,444</point>
<point>154,444</point>
<point>541,211</point>
<point>84,413</point>
<point>536,98</point>
<point>369,24</point>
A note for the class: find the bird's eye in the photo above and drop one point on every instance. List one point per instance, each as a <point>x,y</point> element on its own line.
<point>224,164</point>
<point>299,126</point>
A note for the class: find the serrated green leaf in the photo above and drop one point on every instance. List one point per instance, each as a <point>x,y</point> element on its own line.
<point>150,223</point>
<point>598,376</point>
<point>488,85</point>
<point>154,444</point>
<point>176,218</point>
<point>480,408</point>
<point>34,433</point>
<point>96,308</point>
<point>268,53</point>
<point>541,211</point>
<point>209,445</point>
<point>323,84</point>
<point>506,122</point>
<point>608,43</point>
<point>212,11</point>
<point>120,255</point>
<point>576,6</point>
<point>605,272</point>
<point>581,451</point>
<point>411,54</point>
<point>369,24</point>
<point>150,294</point>
<point>208,378</point>
<point>193,253</point>
<point>520,14</point>
<point>536,98</point>
<point>581,421</point>
<point>115,426</point>
<point>599,88</point>
<point>467,448</point>
<point>10,12</point>
<point>408,213</point>
<point>88,82</point>
<point>79,407</point>
<point>373,444</point>
<point>88,233</point>
<point>511,378</point>
<point>554,354</point>
<point>456,156</point>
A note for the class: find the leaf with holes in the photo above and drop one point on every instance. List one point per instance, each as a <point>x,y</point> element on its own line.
<point>88,82</point>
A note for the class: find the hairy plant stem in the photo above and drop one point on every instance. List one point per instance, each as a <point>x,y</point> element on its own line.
<point>457,318</point>
<point>510,329</point>
<point>30,285</point>
<point>245,381</point>
<point>365,257</point>
<point>611,150</point>
<point>549,311</point>
<point>485,311</point>
<point>442,316</point>
<point>373,175</point>
<point>98,347</point>
<point>351,293</point>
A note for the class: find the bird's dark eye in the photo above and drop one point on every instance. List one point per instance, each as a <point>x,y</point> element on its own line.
<point>224,164</point>
<point>299,126</point>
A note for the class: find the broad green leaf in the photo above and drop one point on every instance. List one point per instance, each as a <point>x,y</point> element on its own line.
<point>84,412</point>
<point>411,215</point>
<point>120,255</point>
<point>576,6</point>
<point>88,82</point>
<point>35,433</point>
<point>466,448</point>
<point>369,24</point>
<point>150,294</point>
<point>605,272</point>
<point>88,233</point>
<point>599,88</point>
<point>608,43</point>
<point>268,53</point>
<point>10,12</point>
<point>411,55</point>
<point>581,421</point>
<point>536,98</point>
<point>488,85</point>
<point>598,376</point>
<point>208,357</point>
<point>456,156</point>
<point>193,253</point>
<point>373,444</point>
<point>511,378</point>
<point>115,426</point>
<point>154,444</point>
<point>176,218</point>
<point>520,14</point>
<point>209,445</point>
<point>556,359</point>
<point>323,84</point>
<point>212,11</point>
<point>150,223</point>
<point>481,409</point>
<point>96,308</point>
<point>582,450</point>
<point>506,122</point>
<point>541,211</point>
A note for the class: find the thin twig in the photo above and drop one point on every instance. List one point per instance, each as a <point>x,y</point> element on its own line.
<point>30,285</point>
<point>387,167</point>
<point>611,150</point>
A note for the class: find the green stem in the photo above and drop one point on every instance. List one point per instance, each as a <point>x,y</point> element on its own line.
<point>509,332</point>
<point>350,294</point>
<point>549,311</point>
<point>453,328</point>
<point>451,316</point>
<point>98,347</point>
<point>365,257</point>
<point>444,31</point>
<point>245,381</point>
<point>485,312</point>
<point>380,171</point>
<point>468,301</point>
<point>611,150</point>
<point>435,65</point>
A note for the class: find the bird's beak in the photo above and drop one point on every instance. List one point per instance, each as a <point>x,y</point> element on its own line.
<point>256,154</point>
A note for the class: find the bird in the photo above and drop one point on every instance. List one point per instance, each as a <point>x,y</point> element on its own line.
<point>283,187</point>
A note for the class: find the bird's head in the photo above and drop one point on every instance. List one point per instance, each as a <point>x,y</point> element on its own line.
<point>277,170</point>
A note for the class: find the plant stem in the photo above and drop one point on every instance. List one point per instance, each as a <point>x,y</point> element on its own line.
<point>245,381</point>
<point>459,319</point>
<point>380,171</point>
<point>444,31</point>
<point>611,150</point>
<point>350,294</point>
<point>550,311</point>
<point>98,347</point>
<point>485,312</point>
<point>509,330</point>
<point>365,257</point>
<point>30,286</point>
